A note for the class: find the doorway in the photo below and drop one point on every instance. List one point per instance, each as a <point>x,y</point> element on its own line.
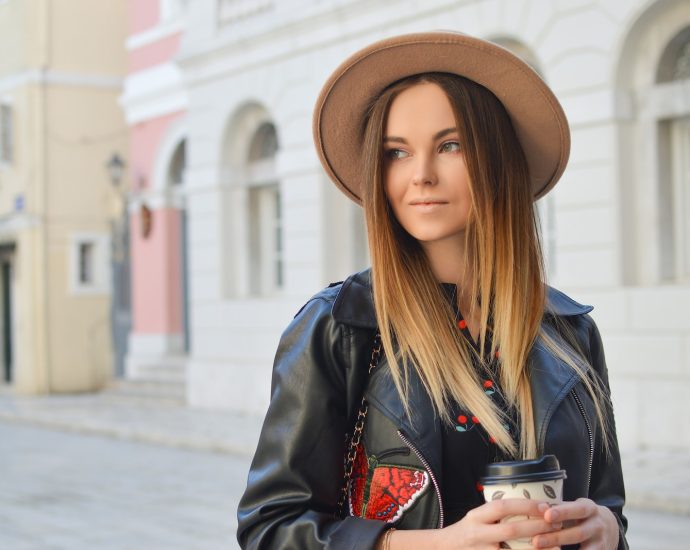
<point>7,312</point>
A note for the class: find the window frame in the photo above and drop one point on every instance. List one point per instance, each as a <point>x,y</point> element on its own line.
<point>100,268</point>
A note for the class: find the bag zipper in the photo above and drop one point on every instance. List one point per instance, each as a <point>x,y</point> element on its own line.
<point>589,432</point>
<point>421,458</point>
<point>385,454</point>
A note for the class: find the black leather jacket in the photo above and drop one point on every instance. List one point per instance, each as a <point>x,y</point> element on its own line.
<point>319,375</point>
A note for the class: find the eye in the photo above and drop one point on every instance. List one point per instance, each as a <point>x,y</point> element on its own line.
<point>394,154</point>
<point>450,147</point>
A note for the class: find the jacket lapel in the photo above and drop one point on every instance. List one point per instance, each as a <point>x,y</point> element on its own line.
<point>423,429</point>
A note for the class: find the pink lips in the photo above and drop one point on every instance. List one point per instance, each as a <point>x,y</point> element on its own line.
<point>427,205</point>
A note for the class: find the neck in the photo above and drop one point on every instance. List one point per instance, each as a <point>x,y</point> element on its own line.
<point>448,261</point>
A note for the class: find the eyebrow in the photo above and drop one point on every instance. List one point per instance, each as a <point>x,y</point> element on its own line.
<point>437,135</point>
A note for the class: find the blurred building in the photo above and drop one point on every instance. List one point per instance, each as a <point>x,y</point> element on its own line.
<point>155,105</point>
<point>61,72</point>
<point>228,102</point>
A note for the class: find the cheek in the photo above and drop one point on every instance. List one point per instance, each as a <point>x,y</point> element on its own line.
<point>393,189</point>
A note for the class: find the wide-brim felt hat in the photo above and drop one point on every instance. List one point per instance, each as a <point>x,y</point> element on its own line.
<point>341,108</point>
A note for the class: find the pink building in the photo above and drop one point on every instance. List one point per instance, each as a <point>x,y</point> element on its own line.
<point>155,106</point>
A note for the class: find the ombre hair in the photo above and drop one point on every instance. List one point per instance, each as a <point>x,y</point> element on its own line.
<point>504,257</point>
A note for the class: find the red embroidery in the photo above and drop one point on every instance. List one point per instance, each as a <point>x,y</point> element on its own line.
<point>383,491</point>
<point>358,482</point>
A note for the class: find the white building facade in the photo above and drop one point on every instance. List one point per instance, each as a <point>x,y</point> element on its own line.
<point>267,229</point>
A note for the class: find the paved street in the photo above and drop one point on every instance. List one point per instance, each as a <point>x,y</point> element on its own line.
<point>61,490</point>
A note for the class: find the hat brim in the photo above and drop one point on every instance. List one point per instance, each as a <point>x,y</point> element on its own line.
<point>339,114</point>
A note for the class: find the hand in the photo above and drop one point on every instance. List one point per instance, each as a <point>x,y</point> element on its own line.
<point>594,527</point>
<point>479,528</point>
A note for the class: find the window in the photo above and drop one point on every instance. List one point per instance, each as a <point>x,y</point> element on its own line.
<point>673,77</point>
<point>680,155</point>
<point>264,213</point>
<point>86,266</point>
<point>89,264</point>
<point>178,165</point>
<point>6,133</point>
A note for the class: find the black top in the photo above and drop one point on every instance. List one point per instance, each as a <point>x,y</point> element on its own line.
<point>467,448</point>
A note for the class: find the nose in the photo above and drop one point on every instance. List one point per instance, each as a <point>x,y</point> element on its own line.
<point>424,173</point>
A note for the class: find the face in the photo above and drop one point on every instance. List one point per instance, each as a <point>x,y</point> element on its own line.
<point>425,175</point>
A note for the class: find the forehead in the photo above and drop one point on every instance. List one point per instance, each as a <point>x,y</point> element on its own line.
<point>419,107</point>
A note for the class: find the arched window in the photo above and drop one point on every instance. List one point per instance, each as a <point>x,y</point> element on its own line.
<point>672,85</point>
<point>675,65</point>
<point>653,80</point>
<point>252,219</point>
<point>178,165</point>
<point>264,213</point>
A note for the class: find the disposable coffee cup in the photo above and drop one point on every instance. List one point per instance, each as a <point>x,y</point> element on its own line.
<point>540,479</point>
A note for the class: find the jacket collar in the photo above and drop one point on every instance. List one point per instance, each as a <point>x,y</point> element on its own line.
<point>354,304</point>
<point>551,379</point>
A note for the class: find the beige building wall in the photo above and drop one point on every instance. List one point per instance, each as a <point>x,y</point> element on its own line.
<point>62,78</point>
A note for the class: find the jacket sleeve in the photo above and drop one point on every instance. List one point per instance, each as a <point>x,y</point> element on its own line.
<point>297,473</point>
<point>606,487</point>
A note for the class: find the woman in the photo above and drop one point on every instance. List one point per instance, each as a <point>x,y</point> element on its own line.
<point>446,140</point>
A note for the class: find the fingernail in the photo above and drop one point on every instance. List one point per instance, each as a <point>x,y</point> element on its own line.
<point>543,507</point>
<point>554,515</point>
<point>557,526</point>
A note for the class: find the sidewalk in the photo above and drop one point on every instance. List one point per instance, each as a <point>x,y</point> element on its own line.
<point>655,480</point>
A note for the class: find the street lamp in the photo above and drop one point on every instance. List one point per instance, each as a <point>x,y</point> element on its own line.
<point>120,313</point>
<point>116,169</point>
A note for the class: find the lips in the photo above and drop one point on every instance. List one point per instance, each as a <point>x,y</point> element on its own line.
<point>427,206</point>
<point>426,202</point>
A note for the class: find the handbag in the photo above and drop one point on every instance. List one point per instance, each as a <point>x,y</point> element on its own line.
<point>351,453</point>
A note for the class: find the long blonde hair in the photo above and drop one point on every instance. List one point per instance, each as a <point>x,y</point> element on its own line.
<point>504,255</point>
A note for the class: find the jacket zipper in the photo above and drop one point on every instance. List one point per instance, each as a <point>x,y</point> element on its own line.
<point>589,432</point>
<point>421,458</point>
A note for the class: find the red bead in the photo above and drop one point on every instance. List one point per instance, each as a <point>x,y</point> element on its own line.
<point>475,420</point>
<point>462,419</point>
<point>488,384</point>
<point>462,324</point>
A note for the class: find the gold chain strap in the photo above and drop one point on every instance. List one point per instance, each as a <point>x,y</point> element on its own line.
<point>357,433</point>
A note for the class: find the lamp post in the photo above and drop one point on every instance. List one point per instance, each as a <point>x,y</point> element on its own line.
<point>120,307</point>
<point>115,166</point>
<point>116,169</point>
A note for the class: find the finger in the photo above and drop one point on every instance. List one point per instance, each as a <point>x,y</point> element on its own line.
<point>496,510</point>
<point>520,529</point>
<point>580,509</point>
<point>572,535</point>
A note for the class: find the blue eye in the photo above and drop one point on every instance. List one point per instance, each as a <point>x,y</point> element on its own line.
<point>450,147</point>
<point>394,154</point>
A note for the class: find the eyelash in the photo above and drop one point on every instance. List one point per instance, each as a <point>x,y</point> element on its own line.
<point>391,154</point>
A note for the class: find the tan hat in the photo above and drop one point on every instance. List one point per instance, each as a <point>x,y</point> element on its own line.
<point>339,115</point>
